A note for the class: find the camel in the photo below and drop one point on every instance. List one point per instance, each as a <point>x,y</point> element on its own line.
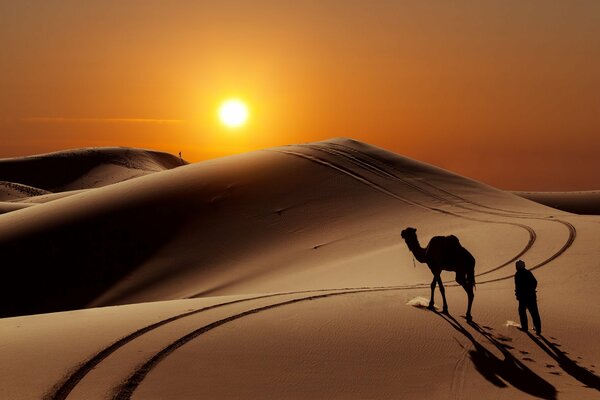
<point>444,253</point>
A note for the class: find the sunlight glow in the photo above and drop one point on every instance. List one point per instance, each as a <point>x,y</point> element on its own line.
<point>233,113</point>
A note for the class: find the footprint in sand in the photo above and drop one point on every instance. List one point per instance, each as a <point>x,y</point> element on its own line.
<point>503,338</point>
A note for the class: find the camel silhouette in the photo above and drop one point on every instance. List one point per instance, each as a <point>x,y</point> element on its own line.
<point>444,253</point>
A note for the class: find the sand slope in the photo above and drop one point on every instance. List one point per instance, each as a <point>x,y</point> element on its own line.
<point>281,274</point>
<point>78,169</point>
<point>586,202</point>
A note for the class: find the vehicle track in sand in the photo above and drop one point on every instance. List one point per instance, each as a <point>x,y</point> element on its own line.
<point>371,167</point>
<point>127,388</point>
<point>62,390</point>
<point>372,162</point>
<point>531,232</point>
<point>361,156</point>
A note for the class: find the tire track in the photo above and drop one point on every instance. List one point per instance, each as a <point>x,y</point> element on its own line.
<point>375,186</point>
<point>127,388</point>
<point>370,166</point>
<point>565,247</point>
<point>382,172</point>
<point>512,214</point>
<point>62,390</point>
<point>390,166</point>
<point>66,387</point>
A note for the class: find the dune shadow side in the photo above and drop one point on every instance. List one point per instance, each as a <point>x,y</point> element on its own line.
<point>67,265</point>
<point>582,374</point>
<point>498,371</point>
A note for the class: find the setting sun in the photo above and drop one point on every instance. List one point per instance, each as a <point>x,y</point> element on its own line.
<point>233,113</point>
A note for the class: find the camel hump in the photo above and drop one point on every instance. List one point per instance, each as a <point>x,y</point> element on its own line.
<point>453,240</point>
<point>454,247</point>
<point>447,242</point>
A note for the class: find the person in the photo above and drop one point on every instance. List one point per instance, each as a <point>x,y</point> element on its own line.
<point>525,290</point>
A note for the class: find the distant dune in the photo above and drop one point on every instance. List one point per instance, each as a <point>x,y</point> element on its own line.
<point>80,169</point>
<point>281,273</point>
<point>587,202</point>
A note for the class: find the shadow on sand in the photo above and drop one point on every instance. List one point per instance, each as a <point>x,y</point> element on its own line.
<point>498,371</point>
<point>582,374</point>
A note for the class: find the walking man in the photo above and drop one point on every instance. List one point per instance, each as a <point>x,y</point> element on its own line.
<point>525,286</point>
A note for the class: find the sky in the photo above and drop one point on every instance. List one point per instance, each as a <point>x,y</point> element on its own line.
<point>505,92</point>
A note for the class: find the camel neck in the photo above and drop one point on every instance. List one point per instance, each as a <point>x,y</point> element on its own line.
<point>416,249</point>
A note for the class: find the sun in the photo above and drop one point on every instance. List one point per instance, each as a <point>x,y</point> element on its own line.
<point>233,113</point>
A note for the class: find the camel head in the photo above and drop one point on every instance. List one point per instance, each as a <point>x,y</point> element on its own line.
<point>410,238</point>
<point>409,233</point>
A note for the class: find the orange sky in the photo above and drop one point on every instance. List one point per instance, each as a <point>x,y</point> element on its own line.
<point>506,92</point>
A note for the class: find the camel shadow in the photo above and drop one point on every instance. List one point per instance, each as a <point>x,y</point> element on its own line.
<point>582,374</point>
<point>502,372</point>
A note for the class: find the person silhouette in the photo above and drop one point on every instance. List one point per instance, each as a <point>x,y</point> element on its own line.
<point>525,290</point>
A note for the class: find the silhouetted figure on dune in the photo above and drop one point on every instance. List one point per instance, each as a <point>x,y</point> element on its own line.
<point>525,288</point>
<point>444,253</point>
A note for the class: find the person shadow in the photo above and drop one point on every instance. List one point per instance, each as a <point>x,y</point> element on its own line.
<point>505,371</point>
<point>583,375</point>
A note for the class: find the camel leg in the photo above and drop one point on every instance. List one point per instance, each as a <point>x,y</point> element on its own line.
<point>431,302</point>
<point>443,292</point>
<point>470,295</point>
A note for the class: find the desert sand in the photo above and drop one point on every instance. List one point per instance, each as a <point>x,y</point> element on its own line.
<point>584,202</point>
<point>281,273</point>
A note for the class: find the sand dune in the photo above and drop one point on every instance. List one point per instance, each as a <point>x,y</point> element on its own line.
<point>12,190</point>
<point>80,169</point>
<point>586,202</point>
<point>281,274</point>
